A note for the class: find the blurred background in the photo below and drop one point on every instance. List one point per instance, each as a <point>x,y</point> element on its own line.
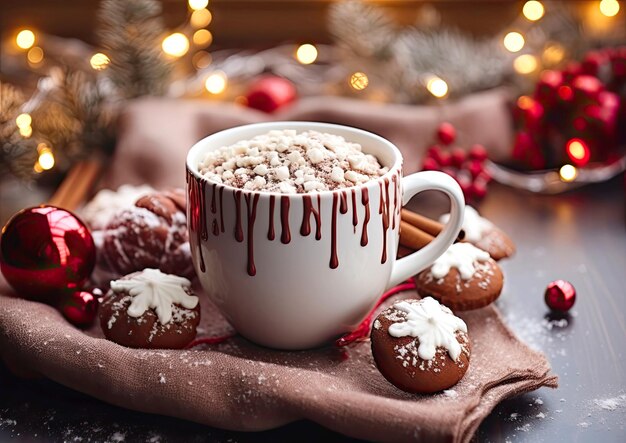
<point>69,68</point>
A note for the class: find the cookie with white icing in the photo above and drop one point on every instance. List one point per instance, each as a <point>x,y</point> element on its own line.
<point>420,346</point>
<point>463,278</point>
<point>151,234</point>
<point>150,309</point>
<point>484,235</point>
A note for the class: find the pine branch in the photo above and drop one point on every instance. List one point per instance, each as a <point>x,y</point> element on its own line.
<point>130,31</point>
<point>467,65</point>
<point>17,154</point>
<point>399,60</point>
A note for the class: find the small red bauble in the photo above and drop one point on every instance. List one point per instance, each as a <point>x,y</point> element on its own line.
<point>79,307</point>
<point>45,250</point>
<point>446,133</point>
<point>270,93</point>
<point>560,295</point>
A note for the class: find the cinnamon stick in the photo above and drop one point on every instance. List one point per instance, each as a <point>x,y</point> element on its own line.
<point>77,184</point>
<point>412,237</point>
<point>426,224</point>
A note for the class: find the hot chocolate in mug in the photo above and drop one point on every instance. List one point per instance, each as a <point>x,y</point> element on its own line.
<point>293,271</point>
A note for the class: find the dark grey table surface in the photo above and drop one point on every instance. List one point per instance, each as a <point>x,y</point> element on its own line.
<point>580,237</point>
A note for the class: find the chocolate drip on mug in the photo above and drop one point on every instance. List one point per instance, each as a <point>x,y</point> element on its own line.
<point>270,231</point>
<point>216,228</point>
<point>251,219</point>
<point>365,200</point>
<point>343,207</point>
<point>285,235</point>
<point>334,261</point>
<point>222,208</point>
<point>355,215</point>
<point>213,207</point>
<point>196,215</point>
<point>307,205</point>
<point>238,228</point>
<point>383,209</point>
<point>395,200</point>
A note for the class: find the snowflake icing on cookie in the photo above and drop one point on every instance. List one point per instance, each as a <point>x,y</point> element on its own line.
<point>461,256</point>
<point>474,226</point>
<point>152,289</point>
<point>432,324</point>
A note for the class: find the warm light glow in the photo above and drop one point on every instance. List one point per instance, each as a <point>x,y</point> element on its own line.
<point>26,131</point>
<point>23,120</point>
<point>99,61</point>
<point>437,87</point>
<point>533,10</point>
<point>610,8</point>
<point>46,159</point>
<point>553,54</point>
<point>513,41</point>
<point>306,54</point>
<point>25,39</point>
<point>525,64</point>
<point>216,82</point>
<point>200,18</point>
<point>198,4</point>
<point>525,102</point>
<point>35,55</point>
<point>359,81</point>
<point>201,59</point>
<point>202,37</point>
<point>578,152</point>
<point>175,44</point>
<point>568,173</point>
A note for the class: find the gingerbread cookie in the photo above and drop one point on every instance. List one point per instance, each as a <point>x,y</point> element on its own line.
<point>151,234</point>
<point>150,309</point>
<point>420,346</point>
<point>463,278</point>
<point>484,235</point>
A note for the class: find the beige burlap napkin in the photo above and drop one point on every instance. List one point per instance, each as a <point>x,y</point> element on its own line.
<point>237,385</point>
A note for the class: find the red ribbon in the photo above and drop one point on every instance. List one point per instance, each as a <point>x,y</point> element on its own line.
<point>363,330</point>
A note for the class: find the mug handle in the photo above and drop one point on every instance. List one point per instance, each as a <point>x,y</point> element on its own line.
<point>410,265</point>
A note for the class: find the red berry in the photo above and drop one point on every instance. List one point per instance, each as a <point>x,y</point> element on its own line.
<point>457,157</point>
<point>478,190</point>
<point>435,153</point>
<point>475,168</point>
<point>478,152</point>
<point>446,133</point>
<point>430,164</point>
<point>445,159</point>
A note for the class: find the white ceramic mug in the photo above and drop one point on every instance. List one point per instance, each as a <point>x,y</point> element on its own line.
<point>293,271</point>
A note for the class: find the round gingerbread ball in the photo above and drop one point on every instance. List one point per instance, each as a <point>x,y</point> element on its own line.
<point>463,278</point>
<point>152,234</point>
<point>150,309</point>
<point>420,346</point>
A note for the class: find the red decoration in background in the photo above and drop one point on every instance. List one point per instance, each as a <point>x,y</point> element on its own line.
<point>574,115</point>
<point>270,93</point>
<point>466,167</point>
<point>560,295</point>
<point>79,307</point>
<point>45,250</point>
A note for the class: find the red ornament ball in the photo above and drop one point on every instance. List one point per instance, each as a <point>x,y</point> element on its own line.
<point>79,307</point>
<point>560,295</point>
<point>270,93</point>
<point>446,133</point>
<point>45,250</point>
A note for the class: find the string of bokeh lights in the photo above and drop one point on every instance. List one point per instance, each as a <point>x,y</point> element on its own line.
<point>194,36</point>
